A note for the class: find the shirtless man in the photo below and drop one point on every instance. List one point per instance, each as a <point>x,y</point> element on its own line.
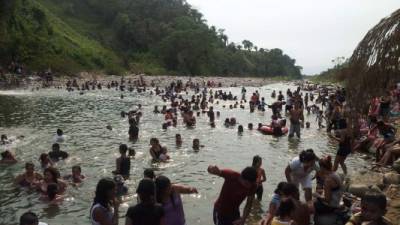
<point>296,115</point>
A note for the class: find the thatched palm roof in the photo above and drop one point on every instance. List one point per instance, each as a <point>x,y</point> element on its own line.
<point>375,64</point>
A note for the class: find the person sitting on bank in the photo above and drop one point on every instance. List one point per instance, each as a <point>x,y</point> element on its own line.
<point>373,209</point>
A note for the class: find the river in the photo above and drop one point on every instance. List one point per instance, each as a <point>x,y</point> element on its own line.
<point>83,118</point>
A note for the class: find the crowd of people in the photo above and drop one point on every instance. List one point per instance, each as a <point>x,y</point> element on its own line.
<point>159,199</point>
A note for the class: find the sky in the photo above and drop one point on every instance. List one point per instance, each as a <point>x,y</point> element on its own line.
<point>314,32</point>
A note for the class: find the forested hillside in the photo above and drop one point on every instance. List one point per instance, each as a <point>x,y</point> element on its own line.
<point>113,36</point>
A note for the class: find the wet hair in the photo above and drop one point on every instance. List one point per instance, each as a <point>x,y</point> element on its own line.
<point>286,208</point>
<point>249,174</point>
<point>164,126</point>
<point>289,189</point>
<point>3,137</point>
<point>43,156</point>
<point>154,140</point>
<point>375,198</point>
<point>123,148</point>
<point>240,128</point>
<point>256,159</point>
<point>149,173</point>
<point>77,168</point>
<point>177,135</point>
<point>307,156</point>
<point>104,186</point>
<point>250,126</point>
<point>5,154</point>
<point>59,132</point>
<point>52,190</point>
<point>162,183</point>
<point>326,163</point>
<point>227,120</point>
<point>146,190</point>
<point>279,188</point>
<point>55,146</point>
<point>27,164</point>
<point>28,218</point>
<point>54,173</point>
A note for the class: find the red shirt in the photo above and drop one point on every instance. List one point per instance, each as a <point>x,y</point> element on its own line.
<point>232,193</point>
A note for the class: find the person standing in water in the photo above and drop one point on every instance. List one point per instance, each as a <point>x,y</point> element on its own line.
<point>299,171</point>
<point>123,163</point>
<point>235,189</point>
<point>104,210</point>
<point>147,211</point>
<point>257,162</point>
<point>56,154</point>
<point>296,115</point>
<point>169,196</point>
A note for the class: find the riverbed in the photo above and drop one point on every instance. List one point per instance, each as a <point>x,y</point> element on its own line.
<point>83,118</point>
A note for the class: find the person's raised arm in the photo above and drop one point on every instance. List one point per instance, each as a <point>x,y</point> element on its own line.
<point>181,189</point>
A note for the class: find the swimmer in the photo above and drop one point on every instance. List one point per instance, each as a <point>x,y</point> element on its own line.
<point>227,122</point>
<point>157,151</point>
<point>29,178</point>
<point>131,152</point>
<point>7,158</point>
<point>4,140</point>
<point>52,195</point>
<point>240,129</point>
<point>250,126</point>
<point>232,121</point>
<point>52,175</point>
<point>178,140</point>
<point>45,161</point>
<point>59,137</point>
<point>196,144</point>
<point>76,176</point>
<point>56,154</point>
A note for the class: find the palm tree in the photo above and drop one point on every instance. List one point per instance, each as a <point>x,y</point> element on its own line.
<point>247,44</point>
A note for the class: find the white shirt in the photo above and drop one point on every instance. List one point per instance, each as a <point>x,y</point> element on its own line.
<point>297,168</point>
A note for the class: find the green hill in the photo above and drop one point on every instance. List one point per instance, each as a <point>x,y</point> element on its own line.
<point>113,36</point>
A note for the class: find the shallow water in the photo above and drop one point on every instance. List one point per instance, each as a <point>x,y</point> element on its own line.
<point>84,118</point>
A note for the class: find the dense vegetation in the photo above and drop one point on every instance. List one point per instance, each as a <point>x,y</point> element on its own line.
<point>150,36</point>
<point>335,73</point>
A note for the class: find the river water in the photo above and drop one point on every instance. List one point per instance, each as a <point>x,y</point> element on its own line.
<point>83,118</point>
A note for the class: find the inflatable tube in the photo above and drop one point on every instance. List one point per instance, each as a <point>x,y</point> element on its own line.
<point>267,130</point>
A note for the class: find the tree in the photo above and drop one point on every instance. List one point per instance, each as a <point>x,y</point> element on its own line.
<point>247,45</point>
